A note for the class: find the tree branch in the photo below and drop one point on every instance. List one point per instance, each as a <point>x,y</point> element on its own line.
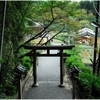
<point>54,36</point>
<point>46,34</point>
<point>42,38</point>
<point>36,36</point>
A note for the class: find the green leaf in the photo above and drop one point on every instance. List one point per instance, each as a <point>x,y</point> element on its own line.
<point>1,60</point>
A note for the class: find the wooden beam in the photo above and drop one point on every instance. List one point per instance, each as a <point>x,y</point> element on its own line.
<point>35,84</point>
<point>55,47</point>
<point>61,69</point>
<point>45,55</point>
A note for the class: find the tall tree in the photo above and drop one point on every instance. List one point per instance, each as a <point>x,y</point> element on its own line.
<point>15,30</point>
<point>54,14</point>
<point>87,5</point>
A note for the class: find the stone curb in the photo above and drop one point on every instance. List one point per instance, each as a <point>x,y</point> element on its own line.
<point>26,78</point>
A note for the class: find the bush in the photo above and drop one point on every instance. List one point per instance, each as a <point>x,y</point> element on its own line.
<point>7,90</point>
<point>26,62</point>
<point>25,59</point>
<point>90,84</point>
<point>75,59</point>
<point>87,81</point>
<point>11,88</point>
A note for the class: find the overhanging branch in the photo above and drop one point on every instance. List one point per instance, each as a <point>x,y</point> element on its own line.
<point>54,36</point>
<point>45,35</point>
<point>36,36</point>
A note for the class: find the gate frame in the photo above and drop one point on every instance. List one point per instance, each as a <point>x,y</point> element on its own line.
<point>34,54</point>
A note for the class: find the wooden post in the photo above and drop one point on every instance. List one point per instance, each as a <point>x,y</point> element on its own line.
<point>48,51</point>
<point>98,67</point>
<point>95,41</point>
<point>61,69</point>
<point>48,48</point>
<point>35,84</point>
<point>19,89</point>
<point>74,87</point>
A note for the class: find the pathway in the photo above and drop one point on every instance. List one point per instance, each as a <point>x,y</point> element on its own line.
<point>48,76</point>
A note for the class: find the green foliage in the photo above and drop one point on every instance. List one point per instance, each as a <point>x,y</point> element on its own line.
<point>1,60</point>
<point>87,81</point>
<point>15,31</point>
<point>48,44</point>
<point>90,84</point>
<point>96,83</point>
<point>87,6</point>
<point>26,62</point>
<point>8,88</point>
<point>74,59</point>
<point>75,51</point>
<point>44,12</point>
<point>12,89</point>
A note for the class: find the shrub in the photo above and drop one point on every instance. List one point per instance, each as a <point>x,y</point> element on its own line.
<point>75,59</point>
<point>11,88</point>
<point>95,91</point>
<point>85,69</point>
<point>90,84</point>
<point>26,62</point>
<point>97,83</point>
<point>86,80</point>
<point>25,59</point>
<point>7,90</point>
